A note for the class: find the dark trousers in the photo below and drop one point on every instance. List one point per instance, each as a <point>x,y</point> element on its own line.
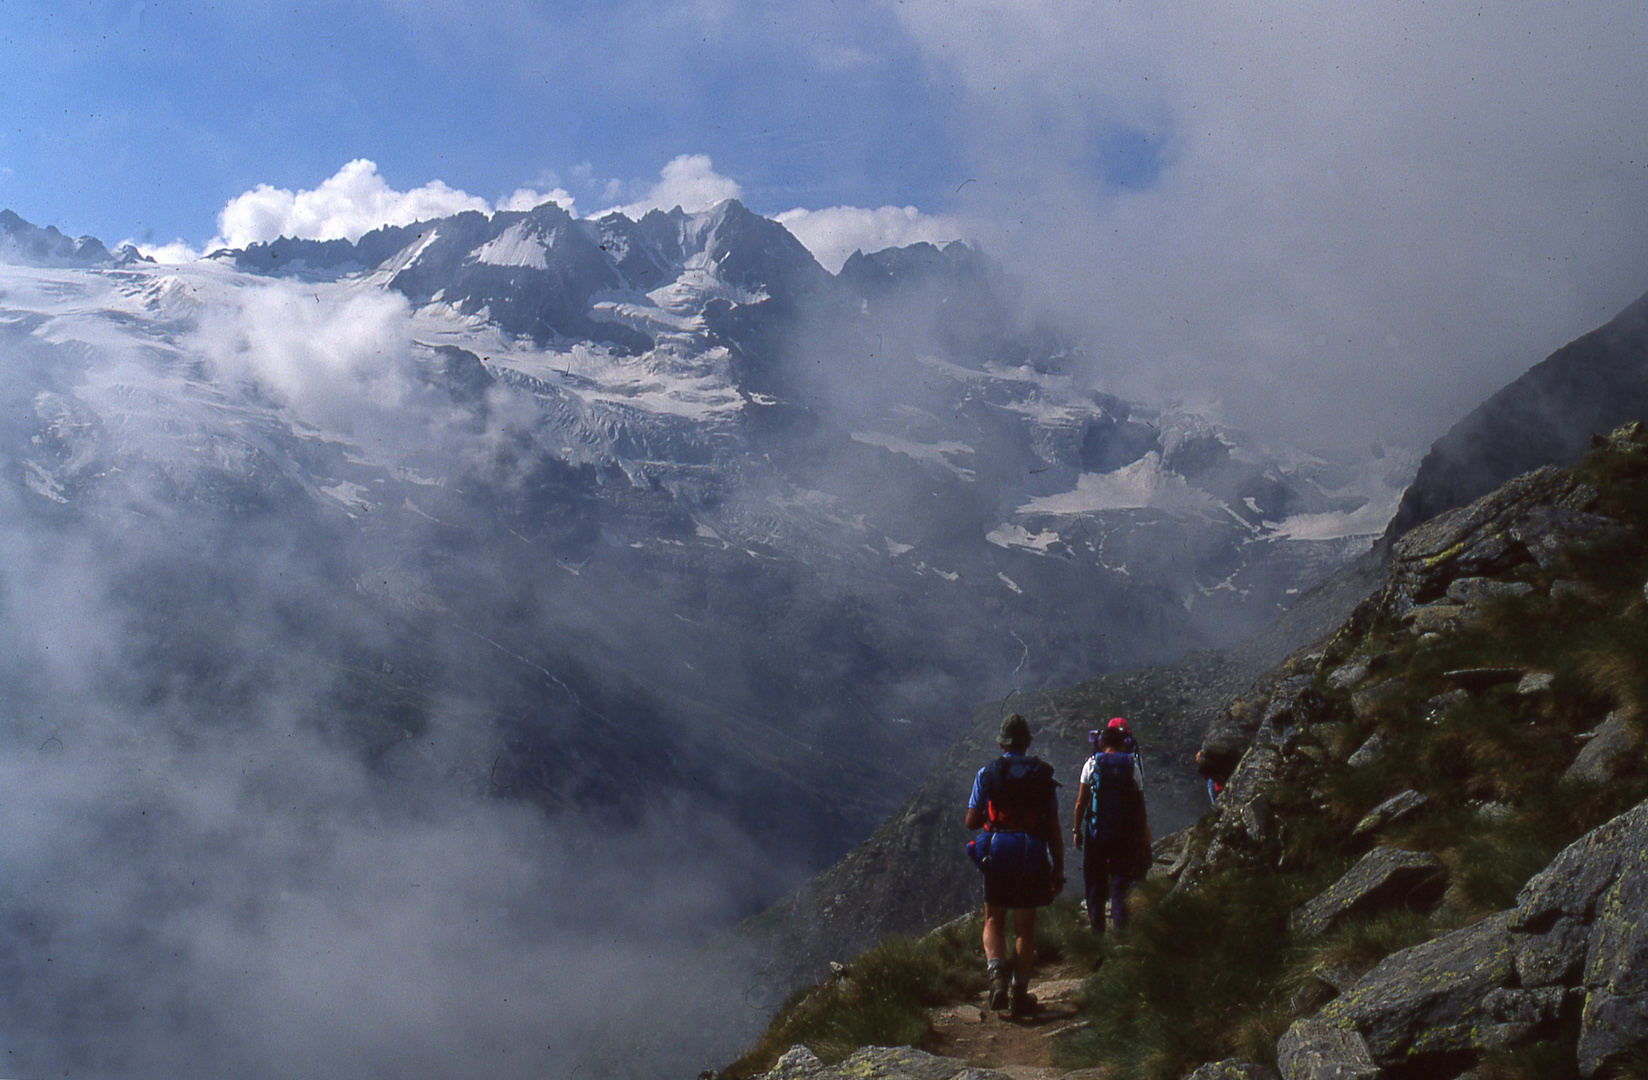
<point>1102,885</point>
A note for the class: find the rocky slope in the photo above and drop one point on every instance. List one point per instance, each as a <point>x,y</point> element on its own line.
<point>1545,417</point>
<point>1434,843</point>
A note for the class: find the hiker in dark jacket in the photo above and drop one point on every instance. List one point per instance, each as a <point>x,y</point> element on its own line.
<point>1022,855</point>
<point>1110,828</point>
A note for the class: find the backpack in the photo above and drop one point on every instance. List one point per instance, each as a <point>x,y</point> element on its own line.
<point>1018,792</point>
<point>1114,801</point>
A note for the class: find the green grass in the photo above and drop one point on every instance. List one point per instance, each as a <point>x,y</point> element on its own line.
<point>883,1001</point>
<point>1191,978</point>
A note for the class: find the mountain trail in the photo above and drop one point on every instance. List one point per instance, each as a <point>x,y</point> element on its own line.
<point>1021,1048</point>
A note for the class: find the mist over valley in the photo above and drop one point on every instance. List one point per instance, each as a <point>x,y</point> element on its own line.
<point>397,625</point>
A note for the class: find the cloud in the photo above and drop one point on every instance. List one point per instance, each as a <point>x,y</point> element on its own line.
<point>176,253</point>
<point>835,232</point>
<point>688,181</point>
<point>352,202</point>
<point>340,362</point>
<point>356,199</point>
<point>1256,201</point>
<point>528,198</point>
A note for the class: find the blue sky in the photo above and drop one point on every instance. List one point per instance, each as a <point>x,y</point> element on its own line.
<point>1330,221</point>
<point>143,119</point>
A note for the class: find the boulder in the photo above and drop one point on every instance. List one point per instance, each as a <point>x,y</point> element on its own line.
<point>1365,704</point>
<point>1437,618</point>
<point>798,1063</point>
<point>1572,884</point>
<point>1549,532</point>
<point>1313,1050</point>
<point>1437,998</point>
<point>1615,1020</point>
<point>1368,753</point>
<point>877,1063</point>
<point>1611,1028</point>
<point>1392,809</point>
<point>1384,878</point>
<point>1232,1069</point>
<point>1615,738</point>
<point>1555,957</point>
<point>1581,921</point>
<point>1535,682</point>
<point>1347,675</point>
<point>1243,810</point>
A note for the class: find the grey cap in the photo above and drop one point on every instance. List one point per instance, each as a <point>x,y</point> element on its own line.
<point>1015,733</point>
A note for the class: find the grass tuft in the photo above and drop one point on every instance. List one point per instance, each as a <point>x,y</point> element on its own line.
<point>883,1000</point>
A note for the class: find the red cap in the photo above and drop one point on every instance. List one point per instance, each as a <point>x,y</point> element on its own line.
<point>1117,721</point>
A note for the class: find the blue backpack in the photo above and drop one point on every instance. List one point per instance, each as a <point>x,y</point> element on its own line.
<point>1115,805</point>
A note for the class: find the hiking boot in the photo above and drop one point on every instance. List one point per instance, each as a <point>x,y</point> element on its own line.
<point>998,986</point>
<point>1023,1001</point>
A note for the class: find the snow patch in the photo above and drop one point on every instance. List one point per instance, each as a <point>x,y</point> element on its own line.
<point>927,453</point>
<point>348,493</point>
<point>1145,484</point>
<point>518,245</point>
<point>1010,583</point>
<point>1381,485</point>
<point>1008,535</point>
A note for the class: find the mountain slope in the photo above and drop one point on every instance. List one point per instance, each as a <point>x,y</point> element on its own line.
<point>1545,417</point>
<point>1429,861</point>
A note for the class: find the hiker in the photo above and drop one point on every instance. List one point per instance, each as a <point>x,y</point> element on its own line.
<point>1120,724</point>
<point>1022,855</point>
<point>1110,827</point>
<point>1209,771</point>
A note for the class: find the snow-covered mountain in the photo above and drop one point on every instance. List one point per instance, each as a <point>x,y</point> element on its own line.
<point>585,507</point>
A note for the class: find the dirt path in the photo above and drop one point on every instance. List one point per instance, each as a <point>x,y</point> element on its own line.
<point>1020,1047</point>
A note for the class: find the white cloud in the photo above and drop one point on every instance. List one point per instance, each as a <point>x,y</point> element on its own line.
<point>688,181</point>
<point>835,232</point>
<point>1467,180</point>
<point>338,363</point>
<point>175,253</point>
<point>347,205</point>
<point>527,199</point>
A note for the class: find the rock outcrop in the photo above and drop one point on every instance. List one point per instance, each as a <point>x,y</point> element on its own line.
<point>1385,877</point>
<point>1576,943</point>
<point>877,1063</point>
<point>1232,1069</point>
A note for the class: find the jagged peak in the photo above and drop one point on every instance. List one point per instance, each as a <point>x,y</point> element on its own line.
<point>23,242</point>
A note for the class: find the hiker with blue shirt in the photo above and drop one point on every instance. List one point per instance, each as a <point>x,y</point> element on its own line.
<point>1015,802</point>
<point>1110,826</point>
